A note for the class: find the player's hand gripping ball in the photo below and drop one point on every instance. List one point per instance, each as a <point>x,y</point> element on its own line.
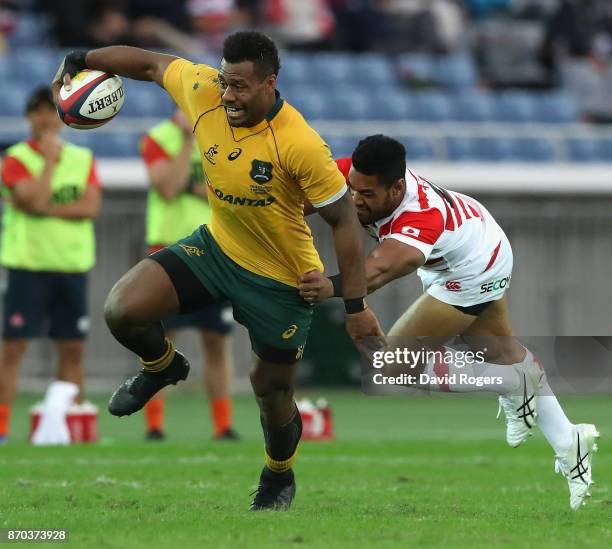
<point>94,99</point>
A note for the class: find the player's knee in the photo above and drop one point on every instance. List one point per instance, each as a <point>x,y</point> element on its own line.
<point>266,386</point>
<point>116,310</point>
<point>259,383</point>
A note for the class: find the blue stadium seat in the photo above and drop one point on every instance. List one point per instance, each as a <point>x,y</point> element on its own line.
<point>348,103</point>
<point>416,67</point>
<point>10,137</point>
<point>585,150</point>
<point>535,150</point>
<point>140,100</point>
<point>295,69</point>
<point>461,149</point>
<point>431,107</point>
<point>312,104</point>
<point>494,149</point>
<point>13,99</point>
<point>390,104</point>
<point>331,68</point>
<point>120,145</point>
<point>34,66</point>
<point>164,105</point>
<point>605,148</point>
<point>291,93</point>
<point>418,148</point>
<point>31,30</point>
<point>515,107</point>
<point>472,107</point>
<point>84,138</point>
<point>373,71</point>
<point>208,59</point>
<point>558,108</point>
<point>5,68</point>
<point>342,146</point>
<point>456,72</point>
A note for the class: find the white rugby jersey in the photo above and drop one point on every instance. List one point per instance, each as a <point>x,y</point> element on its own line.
<point>448,227</point>
<point>468,256</point>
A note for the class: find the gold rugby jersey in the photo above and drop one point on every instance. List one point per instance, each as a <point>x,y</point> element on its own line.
<point>257,177</point>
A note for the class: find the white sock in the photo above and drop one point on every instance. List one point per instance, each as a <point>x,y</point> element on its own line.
<point>552,420</point>
<point>482,377</point>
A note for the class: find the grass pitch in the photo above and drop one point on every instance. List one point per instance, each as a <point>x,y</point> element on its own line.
<point>418,471</point>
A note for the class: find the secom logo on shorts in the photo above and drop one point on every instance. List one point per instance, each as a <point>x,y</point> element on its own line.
<point>498,284</point>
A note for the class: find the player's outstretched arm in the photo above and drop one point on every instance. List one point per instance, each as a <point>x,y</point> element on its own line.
<point>342,217</point>
<point>125,61</point>
<point>390,260</point>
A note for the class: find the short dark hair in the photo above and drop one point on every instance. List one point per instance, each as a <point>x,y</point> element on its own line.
<point>381,156</point>
<point>39,97</point>
<point>255,47</point>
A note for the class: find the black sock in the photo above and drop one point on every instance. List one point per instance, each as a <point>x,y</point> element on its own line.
<point>282,479</point>
<point>281,443</point>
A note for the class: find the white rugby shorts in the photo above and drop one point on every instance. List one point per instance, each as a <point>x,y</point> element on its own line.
<point>480,276</point>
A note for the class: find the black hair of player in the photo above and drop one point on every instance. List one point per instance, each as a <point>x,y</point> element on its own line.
<point>255,47</point>
<point>381,156</point>
<point>39,97</point>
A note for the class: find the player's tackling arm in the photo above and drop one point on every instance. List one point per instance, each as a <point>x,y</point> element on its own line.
<point>389,260</point>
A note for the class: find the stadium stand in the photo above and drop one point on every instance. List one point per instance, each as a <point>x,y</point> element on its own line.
<point>584,150</point>
<point>439,103</point>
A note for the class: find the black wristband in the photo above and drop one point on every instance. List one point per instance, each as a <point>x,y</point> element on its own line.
<point>74,63</point>
<point>355,305</point>
<point>336,281</point>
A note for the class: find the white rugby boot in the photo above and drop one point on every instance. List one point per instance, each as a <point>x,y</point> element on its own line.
<point>575,465</point>
<point>520,406</point>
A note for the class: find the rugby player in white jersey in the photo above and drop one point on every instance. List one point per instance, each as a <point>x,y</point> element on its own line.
<point>464,260</point>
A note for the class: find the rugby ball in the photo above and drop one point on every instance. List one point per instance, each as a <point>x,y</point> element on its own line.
<point>95,98</point>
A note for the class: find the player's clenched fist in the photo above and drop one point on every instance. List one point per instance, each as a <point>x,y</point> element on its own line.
<point>361,322</point>
<point>315,287</point>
